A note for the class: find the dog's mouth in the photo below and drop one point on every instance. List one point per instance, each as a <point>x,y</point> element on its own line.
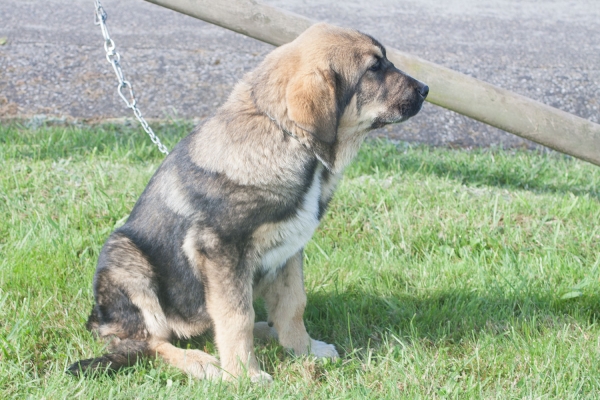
<point>408,107</point>
<point>402,112</point>
<point>412,109</point>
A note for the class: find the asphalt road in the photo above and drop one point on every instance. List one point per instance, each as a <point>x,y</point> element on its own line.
<point>52,58</point>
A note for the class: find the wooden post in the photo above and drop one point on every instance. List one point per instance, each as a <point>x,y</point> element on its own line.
<point>476,99</point>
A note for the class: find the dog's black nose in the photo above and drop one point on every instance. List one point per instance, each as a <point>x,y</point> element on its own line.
<point>424,91</point>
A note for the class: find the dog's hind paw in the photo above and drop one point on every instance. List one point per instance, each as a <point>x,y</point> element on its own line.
<point>322,349</point>
<point>262,378</point>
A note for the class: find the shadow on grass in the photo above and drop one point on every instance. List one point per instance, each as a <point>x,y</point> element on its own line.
<point>360,320</point>
<point>356,320</point>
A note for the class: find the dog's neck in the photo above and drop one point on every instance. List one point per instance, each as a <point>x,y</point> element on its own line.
<point>266,114</point>
<point>310,145</point>
<point>290,134</point>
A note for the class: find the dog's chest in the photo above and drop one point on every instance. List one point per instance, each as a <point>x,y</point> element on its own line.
<point>277,242</point>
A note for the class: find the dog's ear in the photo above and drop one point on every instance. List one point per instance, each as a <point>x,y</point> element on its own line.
<point>311,102</point>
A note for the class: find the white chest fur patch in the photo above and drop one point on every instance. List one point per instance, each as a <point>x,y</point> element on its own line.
<point>278,242</point>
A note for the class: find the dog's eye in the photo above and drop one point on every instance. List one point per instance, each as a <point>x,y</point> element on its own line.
<point>377,66</point>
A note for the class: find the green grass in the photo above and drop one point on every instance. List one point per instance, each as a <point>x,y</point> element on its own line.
<point>437,273</point>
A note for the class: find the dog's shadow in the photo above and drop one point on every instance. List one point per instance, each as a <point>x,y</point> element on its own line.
<point>355,321</point>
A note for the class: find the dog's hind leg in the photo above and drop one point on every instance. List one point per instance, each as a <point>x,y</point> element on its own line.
<point>127,310</point>
<point>127,352</point>
<point>193,362</point>
<point>285,300</point>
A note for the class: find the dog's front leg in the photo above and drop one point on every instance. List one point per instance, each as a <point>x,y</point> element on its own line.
<point>229,303</point>
<point>285,300</point>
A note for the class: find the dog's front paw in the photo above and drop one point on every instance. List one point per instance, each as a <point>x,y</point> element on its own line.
<point>322,349</point>
<point>212,372</point>
<point>262,378</point>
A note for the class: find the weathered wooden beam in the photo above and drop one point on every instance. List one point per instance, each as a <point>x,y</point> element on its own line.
<point>476,99</point>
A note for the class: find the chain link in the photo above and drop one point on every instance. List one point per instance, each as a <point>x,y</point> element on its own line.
<point>114,59</point>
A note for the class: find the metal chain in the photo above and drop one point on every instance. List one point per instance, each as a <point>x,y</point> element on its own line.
<point>113,58</point>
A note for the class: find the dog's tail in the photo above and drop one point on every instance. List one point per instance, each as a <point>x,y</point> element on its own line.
<point>125,354</point>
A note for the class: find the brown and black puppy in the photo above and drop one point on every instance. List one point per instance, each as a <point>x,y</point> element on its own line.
<point>225,218</point>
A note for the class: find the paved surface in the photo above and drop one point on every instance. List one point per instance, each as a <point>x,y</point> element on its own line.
<point>53,62</point>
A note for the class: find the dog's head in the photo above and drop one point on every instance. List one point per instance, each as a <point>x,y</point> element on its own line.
<point>333,85</point>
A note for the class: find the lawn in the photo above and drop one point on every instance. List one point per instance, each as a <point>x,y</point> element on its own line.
<point>437,273</point>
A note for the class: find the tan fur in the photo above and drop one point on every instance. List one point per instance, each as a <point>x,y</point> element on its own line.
<point>193,362</point>
<point>352,130</point>
<point>285,300</point>
<point>190,251</point>
<point>258,165</point>
<point>233,322</point>
<point>113,331</point>
<point>171,193</point>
